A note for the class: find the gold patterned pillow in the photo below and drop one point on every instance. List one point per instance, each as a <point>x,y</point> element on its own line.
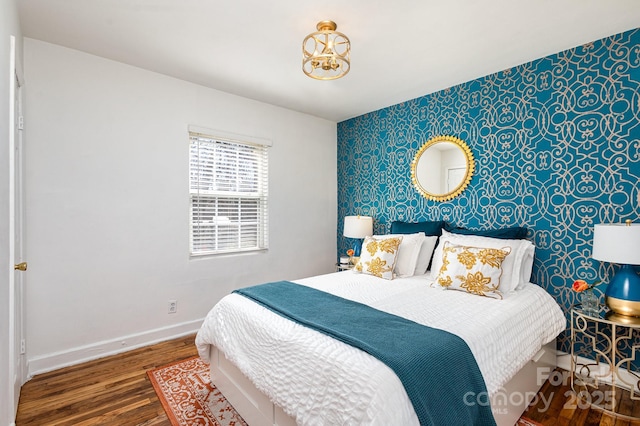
<point>378,256</point>
<point>476,270</point>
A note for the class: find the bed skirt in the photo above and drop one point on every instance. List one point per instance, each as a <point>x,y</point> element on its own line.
<point>256,409</point>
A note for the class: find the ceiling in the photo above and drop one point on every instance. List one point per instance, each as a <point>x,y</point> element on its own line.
<point>401,49</point>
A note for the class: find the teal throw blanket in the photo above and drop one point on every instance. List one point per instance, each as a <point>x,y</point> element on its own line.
<point>437,368</point>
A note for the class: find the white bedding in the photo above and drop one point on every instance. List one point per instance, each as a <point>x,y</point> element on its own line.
<point>318,380</point>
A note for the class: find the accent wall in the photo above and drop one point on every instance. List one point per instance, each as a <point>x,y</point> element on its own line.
<point>557,148</point>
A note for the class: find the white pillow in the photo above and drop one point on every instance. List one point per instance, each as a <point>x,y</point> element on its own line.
<point>476,270</point>
<point>426,252</point>
<point>527,266</point>
<point>408,252</point>
<point>378,257</point>
<point>516,267</point>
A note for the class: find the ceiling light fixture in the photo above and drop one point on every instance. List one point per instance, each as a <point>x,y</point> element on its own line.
<point>326,53</point>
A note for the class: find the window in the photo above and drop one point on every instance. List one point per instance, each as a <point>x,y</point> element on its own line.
<point>228,187</point>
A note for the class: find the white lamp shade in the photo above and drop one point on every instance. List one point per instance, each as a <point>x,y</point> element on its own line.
<point>617,243</point>
<point>358,226</point>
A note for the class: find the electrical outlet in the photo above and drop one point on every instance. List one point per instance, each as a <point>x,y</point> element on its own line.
<point>173,306</point>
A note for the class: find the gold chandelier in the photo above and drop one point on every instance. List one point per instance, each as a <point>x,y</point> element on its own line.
<point>325,53</point>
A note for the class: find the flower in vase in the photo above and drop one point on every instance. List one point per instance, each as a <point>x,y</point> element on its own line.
<point>581,285</point>
<point>588,299</point>
<point>350,253</point>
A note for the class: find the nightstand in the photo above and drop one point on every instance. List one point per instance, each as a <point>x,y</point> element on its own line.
<point>343,267</point>
<point>611,381</point>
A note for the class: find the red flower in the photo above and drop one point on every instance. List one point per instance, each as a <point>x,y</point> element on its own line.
<point>580,286</point>
<point>350,252</point>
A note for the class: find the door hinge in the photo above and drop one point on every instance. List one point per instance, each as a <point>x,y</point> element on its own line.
<point>21,122</point>
<point>23,347</point>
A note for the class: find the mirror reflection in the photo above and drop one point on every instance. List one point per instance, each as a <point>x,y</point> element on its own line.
<point>442,168</point>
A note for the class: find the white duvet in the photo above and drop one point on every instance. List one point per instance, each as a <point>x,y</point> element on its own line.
<point>321,381</point>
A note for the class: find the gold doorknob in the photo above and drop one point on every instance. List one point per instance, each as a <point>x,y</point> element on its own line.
<point>20,266</point>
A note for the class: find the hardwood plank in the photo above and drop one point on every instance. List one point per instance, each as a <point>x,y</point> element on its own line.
<point>566,409</point>
<point>113,390</point>
<point>116,391</point>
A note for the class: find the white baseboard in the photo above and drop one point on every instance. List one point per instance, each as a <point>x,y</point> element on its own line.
<point>601,372</point>
<point>564,360</point>
<point>54,361</point>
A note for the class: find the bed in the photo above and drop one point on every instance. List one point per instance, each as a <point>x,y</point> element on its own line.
<point>276,371</point>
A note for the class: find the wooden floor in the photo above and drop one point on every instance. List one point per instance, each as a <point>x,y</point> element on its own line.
<point>109,391</point>
<point>116,391</point>
<point>558,405</point>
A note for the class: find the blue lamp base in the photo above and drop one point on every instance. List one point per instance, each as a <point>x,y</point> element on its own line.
<point>623,292</point>
<point>357,247</point>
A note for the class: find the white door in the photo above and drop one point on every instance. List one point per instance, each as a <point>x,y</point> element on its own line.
<point>16,214</point>
<point>455,176</point>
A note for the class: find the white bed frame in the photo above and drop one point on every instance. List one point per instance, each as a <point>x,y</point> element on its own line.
<point>257,410</point>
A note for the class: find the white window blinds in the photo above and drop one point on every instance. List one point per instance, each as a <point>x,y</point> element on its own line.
<point>228,186</point>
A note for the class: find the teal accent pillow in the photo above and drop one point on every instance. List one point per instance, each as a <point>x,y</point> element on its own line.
<point>430,228</point>
<point>513,233</point>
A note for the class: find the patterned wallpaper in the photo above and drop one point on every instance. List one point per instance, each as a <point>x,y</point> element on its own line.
<point>557,149</point>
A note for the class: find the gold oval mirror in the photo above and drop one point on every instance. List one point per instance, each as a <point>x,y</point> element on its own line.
<point>442,168</point>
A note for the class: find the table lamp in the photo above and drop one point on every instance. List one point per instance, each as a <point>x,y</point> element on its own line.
<point>620,243</point>
<point>357,227</point>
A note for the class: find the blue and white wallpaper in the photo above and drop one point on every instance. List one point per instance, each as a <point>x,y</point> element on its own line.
<point>557,149</point>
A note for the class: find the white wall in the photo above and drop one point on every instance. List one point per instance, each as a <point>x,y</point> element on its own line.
<point>108,206</point>
<point>9,26</point>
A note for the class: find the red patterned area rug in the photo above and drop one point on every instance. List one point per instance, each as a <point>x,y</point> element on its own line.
<point>184,388</point>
